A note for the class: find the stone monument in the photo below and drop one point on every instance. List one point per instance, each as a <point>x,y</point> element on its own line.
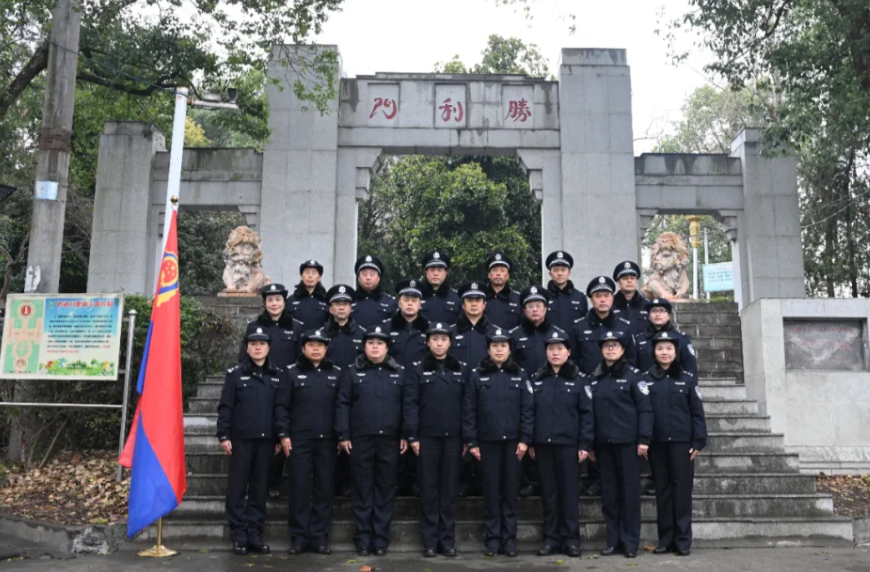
<point>669,260</point>
<point>243,275</point>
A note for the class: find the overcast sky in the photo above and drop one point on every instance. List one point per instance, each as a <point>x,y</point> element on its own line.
<point>412,35</point>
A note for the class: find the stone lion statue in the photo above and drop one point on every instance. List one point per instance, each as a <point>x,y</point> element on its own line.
<point>242,254</point>
<point>669,278</point>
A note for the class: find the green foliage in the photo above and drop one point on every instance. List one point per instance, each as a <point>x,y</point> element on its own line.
<point>503,56</point>
<point>201,239</point>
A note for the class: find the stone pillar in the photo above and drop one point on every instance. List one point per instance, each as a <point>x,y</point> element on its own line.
<point>298,206</point>
<point>355,168</point>
<point>769,249</point>
<point>599,222</point>
<point>545,179</point>
<point>644,221</point>
<point>120,259</point>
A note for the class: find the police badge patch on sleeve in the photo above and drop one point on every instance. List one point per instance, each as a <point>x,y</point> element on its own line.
<point>529,387</point>
<point>691,349</point>
<point>588,389</point>
<point>698,392</point>
<point>643,387</point>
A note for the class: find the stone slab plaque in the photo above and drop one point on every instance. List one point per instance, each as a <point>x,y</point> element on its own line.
<point>824,345</point>
<point>451,110</point>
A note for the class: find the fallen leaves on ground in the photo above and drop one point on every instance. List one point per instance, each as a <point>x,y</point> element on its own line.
<point>851,493</point>
<point>73,489</point>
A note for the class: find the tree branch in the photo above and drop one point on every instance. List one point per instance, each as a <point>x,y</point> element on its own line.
<point>34,66</point>
<point>145,92</point>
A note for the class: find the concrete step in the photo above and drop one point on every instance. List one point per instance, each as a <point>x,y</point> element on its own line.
<point>712,343</point>
<point>704,374</point>
<point>405,534</point>
<point>803,505</point>
<point>721,390</point>
<point>209,390</point>
<point>729,424</point>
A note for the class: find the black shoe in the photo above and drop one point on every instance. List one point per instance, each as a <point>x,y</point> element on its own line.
<point>650,491</point>
<point>490,552</point>
<point>548,550</point>
<point>684,551</point>
<point>594,490</point>
<point>527,491</point>
<point>259,547</point>
<point>630,554</point>
<point>240,549</point>
<point>511,552</point>
<point>451,552</point>
<point>380,551</point>
<point>362,551</point>
<point>662,550</point>
<point>274,493</point>
<point>416,490</point>
<point>325,549</point>
<point>346,491</point>
<point>609,551</point>
<point>296,550</point>
<point>430,552</point>
<point>573,551</point>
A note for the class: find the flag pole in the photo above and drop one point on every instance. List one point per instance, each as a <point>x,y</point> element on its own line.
<point>158,550</point>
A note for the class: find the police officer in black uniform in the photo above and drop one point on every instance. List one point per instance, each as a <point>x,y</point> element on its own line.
<point>567,304</point>
<point>472,327</point>
<point>251,416</point>
<point>529,339</point>
<point>498,421</point>
<point>277,321</point>
<point>345,335</point>
<point>368,420</point>
<point>629,300</point>
<point>586,333</point>
<point>564,433</point>
<point>408,327</point>
<point>659,320</point>
<point>440,302</point>
<point>433,425</point>
<point>308,303</point>
<point>679,434</point>
<point>502,303</point>
<point>372,305</point>
<point>623,429</point>
<point>312,386</point>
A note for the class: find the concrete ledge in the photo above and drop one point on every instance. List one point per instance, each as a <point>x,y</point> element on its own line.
<point>59,540</point>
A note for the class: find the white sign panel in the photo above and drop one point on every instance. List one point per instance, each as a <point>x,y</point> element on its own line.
<point>451,111</point>
<point>517,103</point>
<point>383,105</point>
<point>719,277</point>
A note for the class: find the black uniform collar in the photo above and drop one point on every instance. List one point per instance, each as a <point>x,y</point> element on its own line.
<point>505,293</point>
<point>568,371</point>
<point>333,328</point>
<point>302,292</point>
<point>509,366</point>
<point>248,366</point>
<point>637,301</point>
<point>530,329</point>
<point>463,324</point>
<point>305,364</point>
<point>442,291</point>
<point>398,322</point>
<point>362,293</point>
<point>617,368</point>
<point>432,364</point>
<point>595,321</point>
<point>362,362</point>
<point>675,370</point>
<point>554,289</point>
<point>285,320</point>
<point>651,329</point>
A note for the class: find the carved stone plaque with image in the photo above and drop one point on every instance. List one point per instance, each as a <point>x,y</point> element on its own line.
<point>824,345</point>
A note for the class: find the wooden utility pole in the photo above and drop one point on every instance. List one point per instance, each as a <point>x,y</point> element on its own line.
<point>52,169</point>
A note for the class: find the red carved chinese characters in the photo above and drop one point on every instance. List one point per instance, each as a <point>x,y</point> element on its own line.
<point>519,110</point>
<point>448,110</point>
<point>387,106</point>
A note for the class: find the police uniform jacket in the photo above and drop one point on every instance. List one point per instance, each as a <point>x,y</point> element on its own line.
<point>310,397</point>
<point>645,357</point>
<point>621,405</point>
<point>503,309</point>
<point>528,347</point>
<point>250,406</point>
<point>311,308</point>
<point>440,304</point>
<point>373,308</point>
<point>498,405</point>
<point>434,394</point>
<point>284,347</point>
<point>585,351</point>
<point>345,342</point>
<point>407,339</point>
<point>678,413</point>
<point>370,399</point>
<point>469,342</point>
<point>632,310</point>
<point>563,407</point>
<point>566,306</point>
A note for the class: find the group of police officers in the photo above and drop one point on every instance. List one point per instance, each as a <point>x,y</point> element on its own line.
<point>487,389</point>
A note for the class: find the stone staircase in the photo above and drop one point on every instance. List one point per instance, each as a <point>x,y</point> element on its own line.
<point>748,490</point>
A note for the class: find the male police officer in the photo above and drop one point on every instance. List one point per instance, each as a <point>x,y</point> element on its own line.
<point>628,300</point>
<point>567,304</point>
<point>251,415</point>
<point>528,340</point>
<point>407,327</point>
<point>659,312</point>
<point>310,396</point>
<point>276,321</point>
<point>502,304</point>
<point>308,301</point>
<point>440,303</point>
<point>345,335</point>
<point>472,327</point>
<point>372,305</point>
<point>586,332</point>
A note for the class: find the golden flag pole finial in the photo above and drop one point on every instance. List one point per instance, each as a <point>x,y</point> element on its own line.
<point>174,200</point>
<point>158,550</point>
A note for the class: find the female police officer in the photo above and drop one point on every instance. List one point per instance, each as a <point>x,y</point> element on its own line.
<point>251,414</point>
<point>497,423</point>
<point>563,437</point>
<point>623,428</point>
<point>679,434</point>
<point>433,425</point>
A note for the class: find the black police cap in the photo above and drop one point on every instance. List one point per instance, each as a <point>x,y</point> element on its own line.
<point>626,268</point>
<point>436,259</point>
<point>534,294</point>
<point>498,335</point>
<point>270,289</point>
<point>368,261</point>
<point>662,336</point>
<point>311,264</point>
<point>258,335</point>
<point>409,287</point>
<point>318,335</point>
<point>600,284</point>
<point>499,259</point>
<point>439,328</point>
<point>560,258</point>
<point>340,292</point>
<point>472,290</point>
<point>658,303</point>
<point>378,333</point>
<point>613,336</point>
<point>557,337</point>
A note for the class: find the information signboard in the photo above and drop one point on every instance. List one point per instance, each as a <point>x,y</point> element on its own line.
<point>719,277</point>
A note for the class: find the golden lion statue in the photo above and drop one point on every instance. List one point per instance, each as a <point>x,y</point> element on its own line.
<point>669,279</point>
<point>242,254</point>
